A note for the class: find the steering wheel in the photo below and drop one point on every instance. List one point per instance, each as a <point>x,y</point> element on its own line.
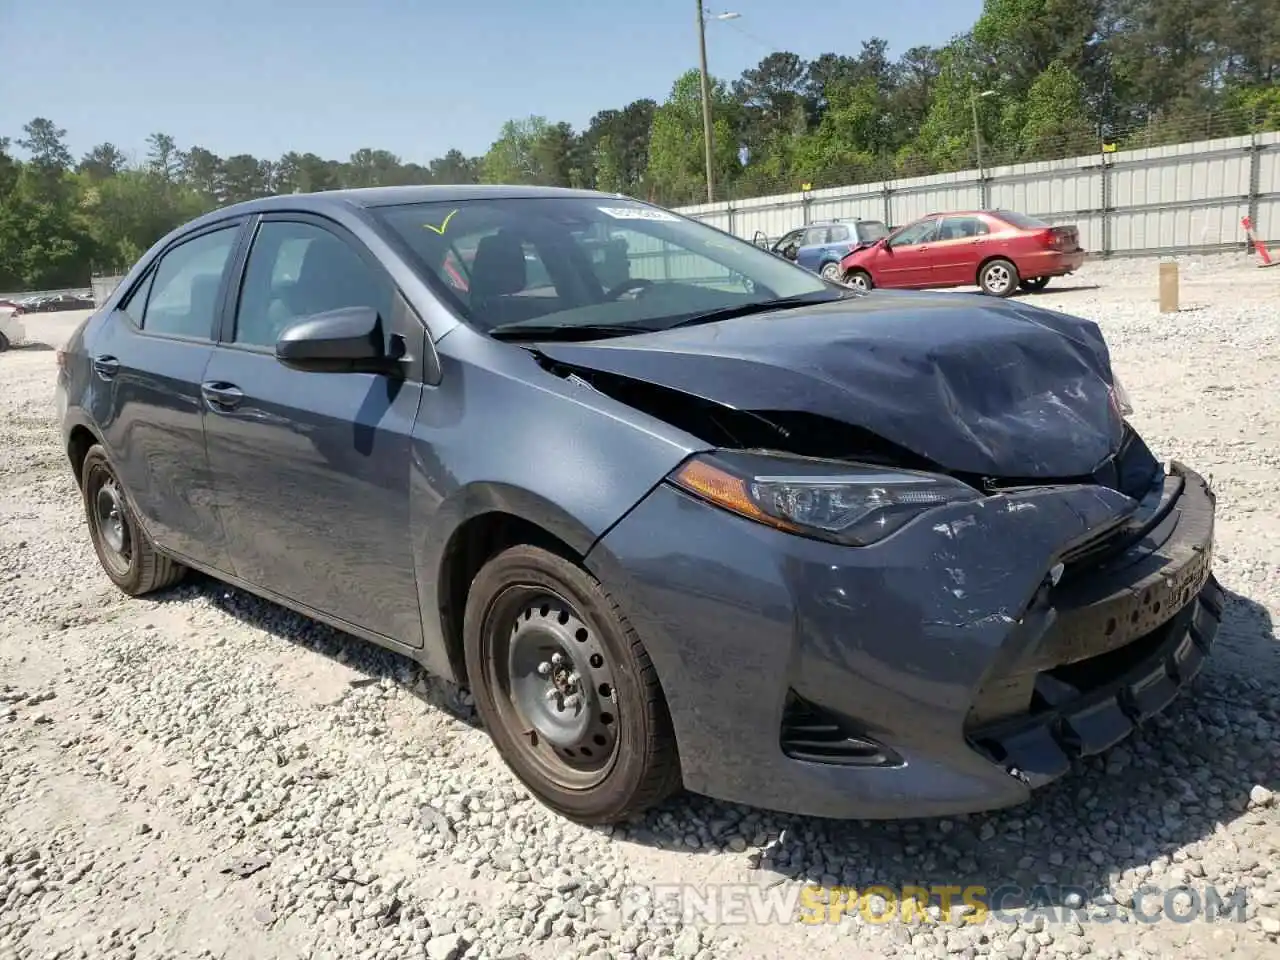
<point>633,283</point>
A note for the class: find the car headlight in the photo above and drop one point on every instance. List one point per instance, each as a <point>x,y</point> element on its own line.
<point>824,499</point>
<point>1120,396</point>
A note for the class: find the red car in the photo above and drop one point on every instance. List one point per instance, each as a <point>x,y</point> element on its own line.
<point>998,250</point>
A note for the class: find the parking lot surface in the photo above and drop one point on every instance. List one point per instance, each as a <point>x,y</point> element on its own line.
<point>207,775</point>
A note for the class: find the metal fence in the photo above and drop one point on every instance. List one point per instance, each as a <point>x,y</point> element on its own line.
<point>1183,198</point>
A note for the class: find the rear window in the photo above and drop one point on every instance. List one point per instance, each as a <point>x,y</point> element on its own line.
<point>1020,220</point>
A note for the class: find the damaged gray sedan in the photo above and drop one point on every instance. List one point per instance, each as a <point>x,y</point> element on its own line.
<point>678,512</point>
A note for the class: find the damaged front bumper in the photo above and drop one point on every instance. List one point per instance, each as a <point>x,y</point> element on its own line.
<point>951,668</point>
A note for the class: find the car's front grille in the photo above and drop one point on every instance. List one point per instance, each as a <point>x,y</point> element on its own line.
<point>819,736</point>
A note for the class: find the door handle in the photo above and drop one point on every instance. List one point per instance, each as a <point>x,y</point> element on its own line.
<point>220,395</point>
<point>105,366</point>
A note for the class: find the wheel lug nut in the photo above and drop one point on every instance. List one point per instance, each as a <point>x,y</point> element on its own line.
<point>572,702</point>
<point>557,659</point>
<point>573,679</point>
<point>544,668</point>
<point>552,693</point>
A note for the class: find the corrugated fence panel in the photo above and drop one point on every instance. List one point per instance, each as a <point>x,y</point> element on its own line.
<point>1268,225</point>
<point>772,216</point>
<point>854,206</point>
<point>1186,196</point>
<point>1046,192</point>
<point>1166,229</point>
<point>920,196</point>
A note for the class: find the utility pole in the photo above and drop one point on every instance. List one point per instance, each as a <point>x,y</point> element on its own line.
<point>706,103</point>
<point>977,134</point>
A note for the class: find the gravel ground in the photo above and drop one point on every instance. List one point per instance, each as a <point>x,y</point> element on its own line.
<point>207,775</point>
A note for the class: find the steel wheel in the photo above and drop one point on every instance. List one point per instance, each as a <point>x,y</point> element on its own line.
<point>566,689</point>
<point>555,685</point>
<point>109,516</point>
<point>126,553</point>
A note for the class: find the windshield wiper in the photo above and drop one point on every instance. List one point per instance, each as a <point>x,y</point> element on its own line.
<point>761,306</point>
<point>566,331</point>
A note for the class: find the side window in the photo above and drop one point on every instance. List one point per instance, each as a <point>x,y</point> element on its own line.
<point>962,228</point>
<point>182,300</point>
<point>135,306</point>
<point>922,232</point>
<point>298,269</point>
<point>814,236</point>
<point>789,239</point>
<point>839,235</point>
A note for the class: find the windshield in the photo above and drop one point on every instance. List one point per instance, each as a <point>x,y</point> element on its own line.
<point>1020,220</point>
<point>598,262</point>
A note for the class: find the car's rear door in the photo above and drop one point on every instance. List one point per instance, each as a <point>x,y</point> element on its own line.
<point>148,360</point>
<point>312,469</point>
<point>960,247</point>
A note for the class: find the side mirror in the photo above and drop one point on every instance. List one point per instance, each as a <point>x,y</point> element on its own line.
<point>349,340</point>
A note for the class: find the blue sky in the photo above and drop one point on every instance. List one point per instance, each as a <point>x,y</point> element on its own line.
<point>412,76</point>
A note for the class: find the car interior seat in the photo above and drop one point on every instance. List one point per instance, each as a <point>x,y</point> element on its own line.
<point>499,271</point>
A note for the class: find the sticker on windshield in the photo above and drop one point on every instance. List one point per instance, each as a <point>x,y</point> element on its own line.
<point>638,213</point>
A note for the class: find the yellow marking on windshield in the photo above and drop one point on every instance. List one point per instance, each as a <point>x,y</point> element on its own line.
<point>444,226</point>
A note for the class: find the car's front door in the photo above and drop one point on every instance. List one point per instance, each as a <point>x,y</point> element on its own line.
<point>312,469</point>
<point>908,260</point>
<point>961,245</point>
<point>149,359</point>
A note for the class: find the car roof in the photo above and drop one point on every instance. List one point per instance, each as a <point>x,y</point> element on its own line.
<point>367,197</point>
<point>426,193</point>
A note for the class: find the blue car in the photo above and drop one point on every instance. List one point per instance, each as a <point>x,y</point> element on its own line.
<point>676,511</point>
<point>819,247</point>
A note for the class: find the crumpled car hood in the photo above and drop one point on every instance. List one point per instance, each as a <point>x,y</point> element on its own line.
<point>975,385</point>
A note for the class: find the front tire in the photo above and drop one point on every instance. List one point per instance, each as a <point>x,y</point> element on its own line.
<point>566,689</point>
<point>859,280</point>
<point>126,553</point>
<point>998,278</point>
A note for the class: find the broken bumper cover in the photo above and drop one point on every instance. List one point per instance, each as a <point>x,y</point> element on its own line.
<point>844,682</point>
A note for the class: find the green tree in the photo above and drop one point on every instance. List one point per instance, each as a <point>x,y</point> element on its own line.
<point>1054,119</point>
<point>104,160</point>
<point>677,165</point>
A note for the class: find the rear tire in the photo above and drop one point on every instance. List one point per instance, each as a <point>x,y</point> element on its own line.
<point>1034,284</point>
<point>859,280</point>
<point>566,689</point>
<point>126,553</point>
<point>998,278</point>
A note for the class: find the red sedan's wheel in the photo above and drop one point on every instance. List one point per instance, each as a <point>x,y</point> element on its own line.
<point>859,280</point>
<point>998,278</point>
